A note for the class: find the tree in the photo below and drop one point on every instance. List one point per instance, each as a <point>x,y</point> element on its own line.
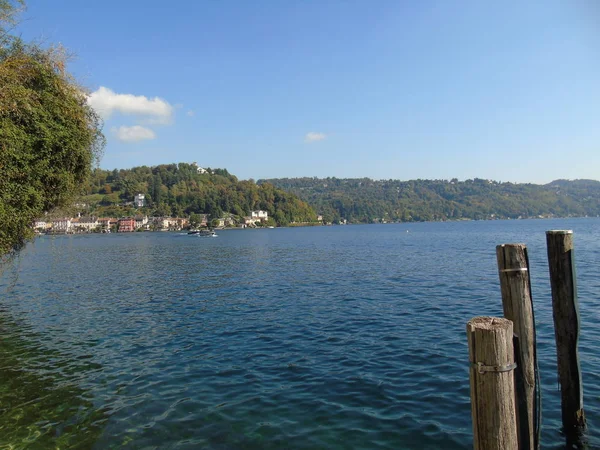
<point>162,210</point>
<point>8,13</point>
<point>195,220</point>
<point>49,136</point>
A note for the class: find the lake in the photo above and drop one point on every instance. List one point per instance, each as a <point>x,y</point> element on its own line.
<point>346,337</point>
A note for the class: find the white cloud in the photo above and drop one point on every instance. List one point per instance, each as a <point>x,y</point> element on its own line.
<point>314,136</point>
<point>106,102</point>
<point>133,134</point>
<point>191,113</point>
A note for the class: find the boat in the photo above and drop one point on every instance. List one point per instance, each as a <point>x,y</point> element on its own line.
<point>203,233</point>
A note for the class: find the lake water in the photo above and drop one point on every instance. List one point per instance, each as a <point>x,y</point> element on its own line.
<point>302,338</point>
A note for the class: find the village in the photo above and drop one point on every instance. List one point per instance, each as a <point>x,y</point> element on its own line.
<point>82,224</point>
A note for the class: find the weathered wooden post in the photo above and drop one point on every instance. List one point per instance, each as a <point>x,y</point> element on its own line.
<point>565,311</point>
<point>492,383</point>
<point>513,269</point>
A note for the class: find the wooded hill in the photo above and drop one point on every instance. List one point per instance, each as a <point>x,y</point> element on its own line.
<point>365,200</point>
<point>179,190</point>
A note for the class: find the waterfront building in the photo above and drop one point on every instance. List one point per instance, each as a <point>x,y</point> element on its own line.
<point>126,225</point>
<point>260,215</point>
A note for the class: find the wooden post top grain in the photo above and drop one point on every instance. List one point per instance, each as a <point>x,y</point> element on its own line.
<point>494,330</point>
<point>489,323</point>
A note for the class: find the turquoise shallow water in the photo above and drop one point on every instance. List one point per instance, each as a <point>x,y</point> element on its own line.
<point>330,337</point>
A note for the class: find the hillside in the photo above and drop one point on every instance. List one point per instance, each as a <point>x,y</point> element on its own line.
<point>183,189</point>
<point>366,200</point>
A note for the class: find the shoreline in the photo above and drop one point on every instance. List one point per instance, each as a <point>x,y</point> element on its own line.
<point>314,225</point>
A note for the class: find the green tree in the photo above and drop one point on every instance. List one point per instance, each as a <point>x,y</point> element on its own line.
<point>182,189</point>
<point>195,220</point>
<point>162,210</point>
<point>49,136</point>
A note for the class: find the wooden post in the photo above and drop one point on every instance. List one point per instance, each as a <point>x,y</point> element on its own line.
<point>492,383</point>
<point>565,311</point>
<point>513,269</point>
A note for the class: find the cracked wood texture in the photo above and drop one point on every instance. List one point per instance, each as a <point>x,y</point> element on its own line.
<point>492,393</point>
<point>565,311</point>
<point>513,270</point>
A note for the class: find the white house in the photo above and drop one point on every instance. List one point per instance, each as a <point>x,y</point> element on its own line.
<point>139,200</point>
<point>260,215</point>
<point>88,223</point>
<point>61,225</point>
<point>141,221</point>
<point>199,169</point>
<point>40,225</point>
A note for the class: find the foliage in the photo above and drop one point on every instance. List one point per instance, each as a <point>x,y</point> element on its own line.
<point>9,10</point>
<point>49,137</point>
<point>365,200</point>
<point>180,190</point>
<point>195,220</point>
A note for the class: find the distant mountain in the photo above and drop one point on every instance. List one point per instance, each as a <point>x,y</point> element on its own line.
<point>365,200</point>
<point>184,189</point>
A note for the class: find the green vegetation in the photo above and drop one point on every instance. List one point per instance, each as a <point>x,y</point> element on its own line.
<point>180,190</point>
<point>364,200</point>
<point>49,136</point>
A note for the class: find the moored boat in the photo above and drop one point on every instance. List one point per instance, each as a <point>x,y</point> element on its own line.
<point>203,233</point>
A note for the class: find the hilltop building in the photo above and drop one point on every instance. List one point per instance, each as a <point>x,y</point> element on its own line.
<point>139,200</point>
<point>199,169</point>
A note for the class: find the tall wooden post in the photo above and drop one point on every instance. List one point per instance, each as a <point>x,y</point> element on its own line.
<point>492,383</point>
<point>513,269</point>
<point>565,311</point>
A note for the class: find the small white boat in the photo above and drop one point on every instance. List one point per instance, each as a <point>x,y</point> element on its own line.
<point>203,233</point>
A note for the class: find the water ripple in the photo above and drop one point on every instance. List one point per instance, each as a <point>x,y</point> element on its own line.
<point>333,337</point>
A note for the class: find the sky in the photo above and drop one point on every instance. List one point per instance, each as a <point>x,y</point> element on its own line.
<point>432,89</point>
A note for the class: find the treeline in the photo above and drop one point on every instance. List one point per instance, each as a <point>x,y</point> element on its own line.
<point>364,200</point>
<point>179,190</point>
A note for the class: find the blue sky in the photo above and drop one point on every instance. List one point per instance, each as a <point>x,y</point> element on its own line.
<point>384,89</point>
